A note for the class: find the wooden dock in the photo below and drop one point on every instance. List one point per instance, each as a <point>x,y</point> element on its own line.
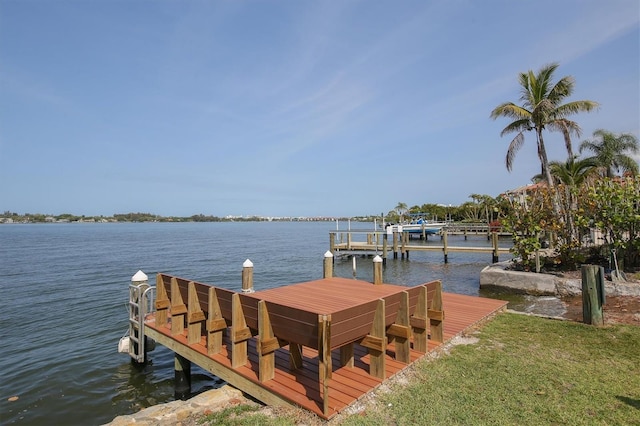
<point>320,345</point>
<point>345,243</point>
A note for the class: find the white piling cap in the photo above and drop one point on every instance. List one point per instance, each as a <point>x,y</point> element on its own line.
<point>139,277</point>
<point>377,259</point>
<point>328,254</point>
<point>247,264</point>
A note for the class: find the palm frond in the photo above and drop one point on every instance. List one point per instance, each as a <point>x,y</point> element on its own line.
<point>575,107</point>
<point>520,126</point>
<point>562,89</point>
<point>514,147</point>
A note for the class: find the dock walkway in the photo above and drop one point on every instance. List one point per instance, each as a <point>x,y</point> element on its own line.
<point>358,242</point>
<point>320,345</point>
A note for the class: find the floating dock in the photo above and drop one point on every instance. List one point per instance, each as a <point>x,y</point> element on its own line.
<point>320,345</point>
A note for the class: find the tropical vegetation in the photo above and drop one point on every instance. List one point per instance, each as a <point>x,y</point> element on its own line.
<point>542,108</point>
<point>612,152</point>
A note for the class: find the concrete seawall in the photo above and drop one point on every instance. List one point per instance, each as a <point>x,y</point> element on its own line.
<point>497,275</point>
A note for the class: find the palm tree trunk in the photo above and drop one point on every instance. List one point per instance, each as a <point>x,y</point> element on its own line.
<point>542,153</point>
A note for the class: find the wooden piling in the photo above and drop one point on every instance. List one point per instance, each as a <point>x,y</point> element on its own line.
<point>328,265</point>
<point>494,239</point>
<point>384,249</point>
<point>593,294</point>
<point>404,236</point>
<point>395,244</point>
<point>445,247</point>
<point>247,276</point>
<point>182,377</point>
<point>377,270</point>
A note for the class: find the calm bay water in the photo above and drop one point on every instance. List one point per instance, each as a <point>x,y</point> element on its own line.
<point>65,287</point>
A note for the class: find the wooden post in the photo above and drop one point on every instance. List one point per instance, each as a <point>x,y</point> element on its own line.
<point>182,377</point>
<point>332,242</point>
<point>403,237</point>
<point>195,316</point>
<point>376,342</point>
<point>418,320</point>
<point>395,244</point>
<point>178,309</point>
<point>162,302</point>
<point>324,358</point>
<point>494,236</point>
<point>247,276</point>
<point>377,270</point>
<point>215,324</point>
<point>407,237</point>
<point>436,314</point>
<point>445,246</point>
<point>346,355</point>
<point>267,344</point>
<point>593,294</point>
<point>295,356</point>
<point>400,332</point>
<point>327,265</point>
<point>240,333</point>
<point>384,249</point>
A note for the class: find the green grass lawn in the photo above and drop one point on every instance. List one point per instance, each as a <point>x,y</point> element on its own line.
<point>522,371</point>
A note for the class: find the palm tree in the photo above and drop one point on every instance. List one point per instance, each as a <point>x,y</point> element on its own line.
<point>574,172</point>
<point>541,108</point>
<point>611,151</point>
<point>401,209</point>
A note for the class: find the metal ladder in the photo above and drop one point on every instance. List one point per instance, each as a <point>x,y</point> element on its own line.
<point>141,297</point>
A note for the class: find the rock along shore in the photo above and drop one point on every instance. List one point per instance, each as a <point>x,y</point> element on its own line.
<point>497,275</point>
<point>179,412</point>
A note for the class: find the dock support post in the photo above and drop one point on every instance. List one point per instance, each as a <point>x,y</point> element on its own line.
<point>182,377</point>
<point>593,294</point>
<point>403,238</point>
<point>494,236</point>
<point>395,244</point>
<point>332,242</point>
<point>377,270</point>
<point>445,247</point>
<point>384,249</point>
<point>247,276</point>
<point>328,265</point>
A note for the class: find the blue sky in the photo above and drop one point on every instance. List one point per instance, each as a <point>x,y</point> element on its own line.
<point>289,108</point>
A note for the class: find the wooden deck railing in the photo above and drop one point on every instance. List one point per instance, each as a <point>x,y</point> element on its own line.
<point>206,311</point>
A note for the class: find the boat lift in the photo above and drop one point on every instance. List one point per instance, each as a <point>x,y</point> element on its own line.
<point>141,303</point>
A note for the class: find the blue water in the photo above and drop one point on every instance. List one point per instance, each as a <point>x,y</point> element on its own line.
<point>64,291</point>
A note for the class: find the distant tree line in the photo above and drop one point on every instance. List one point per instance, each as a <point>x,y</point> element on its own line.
<point>9,216</point>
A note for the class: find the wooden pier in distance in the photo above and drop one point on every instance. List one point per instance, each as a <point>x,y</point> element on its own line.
<point>344,243</point>
<point>319,345</point>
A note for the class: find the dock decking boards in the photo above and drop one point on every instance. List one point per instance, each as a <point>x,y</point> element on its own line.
<point>302,387</point>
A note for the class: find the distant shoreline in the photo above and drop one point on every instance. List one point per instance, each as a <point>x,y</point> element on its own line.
<point>33,219</point>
